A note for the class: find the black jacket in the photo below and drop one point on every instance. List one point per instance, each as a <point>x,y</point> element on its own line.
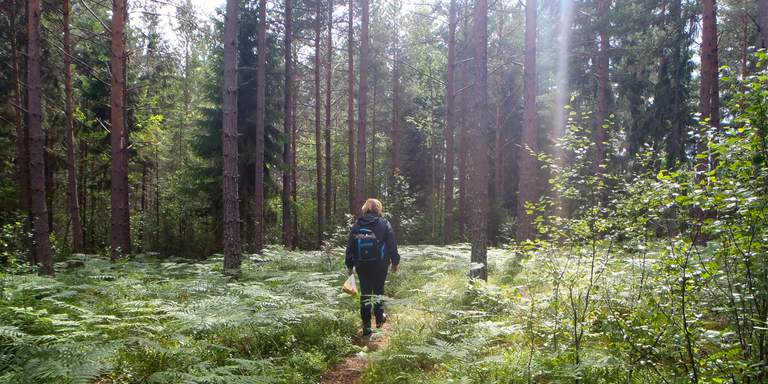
<point>383,231</point>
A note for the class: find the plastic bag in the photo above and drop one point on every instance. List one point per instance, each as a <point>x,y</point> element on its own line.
<point>350,286</point>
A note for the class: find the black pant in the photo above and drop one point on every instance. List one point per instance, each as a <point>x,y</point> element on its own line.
<point>372,276</point>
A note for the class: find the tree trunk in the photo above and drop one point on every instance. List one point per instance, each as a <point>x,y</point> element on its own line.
<point>318,132</point>
<point>229,143</point>
<point>478,144</point>
<point>351,108</point>
<point>288,128</point>
<point>464,133</point>
<point>42,243</point>
<point>362,107</point>
<point>22,134</point>
<point>450,124</point>
<point>762,19</point>
<point>675,149</point>
<point>396,100</point>
<point>328,94</point>
<point>119,234</point>
<point>374,188</point>
<point>74,205</point>
<point>261,94</point>
<point>708,91</point>
<point>527,169</point>
<point>598,131</point>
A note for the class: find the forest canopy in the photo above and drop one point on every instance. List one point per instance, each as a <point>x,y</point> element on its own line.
<point>579,187</point>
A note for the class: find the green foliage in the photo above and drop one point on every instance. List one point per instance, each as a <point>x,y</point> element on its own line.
<point>147,321</point>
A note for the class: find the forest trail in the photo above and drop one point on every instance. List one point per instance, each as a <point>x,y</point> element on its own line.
<point>351,369</point>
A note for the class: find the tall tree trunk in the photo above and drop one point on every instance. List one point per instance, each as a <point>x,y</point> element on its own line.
<point>374,188</point>
<point>527,169</point>
<point>464,132</point>
<point>762,19</point>
<point>318,132</point>
<point>261,94</point>
<point>74,204</point>
<point>229,143</point>
<point>362,107</point>
<point>708,91</point>
<point>22,134</point>
<point>497,192</point>
<point>288,128</point>
<point>450,124</point>
<point>36,142</point>
<point>328,95</point>
<point>294,147</point>
<point>396,139</point>
<point>478,144</point>
<point>599,131</point>
<point>351,188</point>
<point>675,148</point>
<point>119,234</point>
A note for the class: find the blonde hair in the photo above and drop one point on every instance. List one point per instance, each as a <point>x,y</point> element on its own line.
<point>373,206</point>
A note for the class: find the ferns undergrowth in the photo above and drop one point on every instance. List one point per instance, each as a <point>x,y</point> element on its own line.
<point>147,321</point>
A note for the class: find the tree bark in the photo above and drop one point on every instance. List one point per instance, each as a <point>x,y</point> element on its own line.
<point>318,132</point>
<point>351,108</point>
<point>229,134</point>
<point>373,190</point>
<point>362,107</point>
<point>708,91</point>
<point>478,144</point>
<point>450,124</point>
<point>74,204</point>
<point>119,235</point>
<point>261,94</point>
<point>527,169</point>
<point>35,145</point>
<point>676,152</point>
<point>328,95</point>
<point>22,133</point>
<point>762,18</point>
<point>288,128</point>
<point>598,131</point>
<point>464,132</point>
<point>396,99</point>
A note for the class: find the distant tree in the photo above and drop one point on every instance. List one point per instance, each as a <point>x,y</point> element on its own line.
<point>36,144</point>
<point>328,102</point>
<point>477,144</point>
<point>261,94</point>
<point>599,134</point>
<point>22,132</point>
<point>762,17</point>
<point>527,169</point>
<point>318,133</point>
<point>229,143</point>
<point>72,190</point>
<point>362,105</point>
<point>351,189</point>
<point>450,123</point>
<point>288,228</point>
<point>120,230</point>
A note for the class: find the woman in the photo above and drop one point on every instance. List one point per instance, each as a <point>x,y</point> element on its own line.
<point>370,250</point>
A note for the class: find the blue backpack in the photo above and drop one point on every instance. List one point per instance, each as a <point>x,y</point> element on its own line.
<point>369,248</point>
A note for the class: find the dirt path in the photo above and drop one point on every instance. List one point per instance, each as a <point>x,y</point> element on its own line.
<point>351,369</point>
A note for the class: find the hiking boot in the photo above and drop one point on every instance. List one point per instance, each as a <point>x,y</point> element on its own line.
<point>367,332</point>
<point>380,320</point>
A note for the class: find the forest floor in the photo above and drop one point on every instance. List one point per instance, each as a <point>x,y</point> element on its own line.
<point>352,368</point>
<point>285,320</point>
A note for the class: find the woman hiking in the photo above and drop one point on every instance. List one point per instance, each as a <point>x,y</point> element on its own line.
<point>370,250</point>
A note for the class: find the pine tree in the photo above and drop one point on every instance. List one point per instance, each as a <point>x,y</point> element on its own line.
<point>362,105</point>
<point>229,143</point>
<point>120,231</point>
<point>450,124</point>
<point>39,210</point>
<point>478,153</point>
<point>527,169</point>
<point>261,94</point>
